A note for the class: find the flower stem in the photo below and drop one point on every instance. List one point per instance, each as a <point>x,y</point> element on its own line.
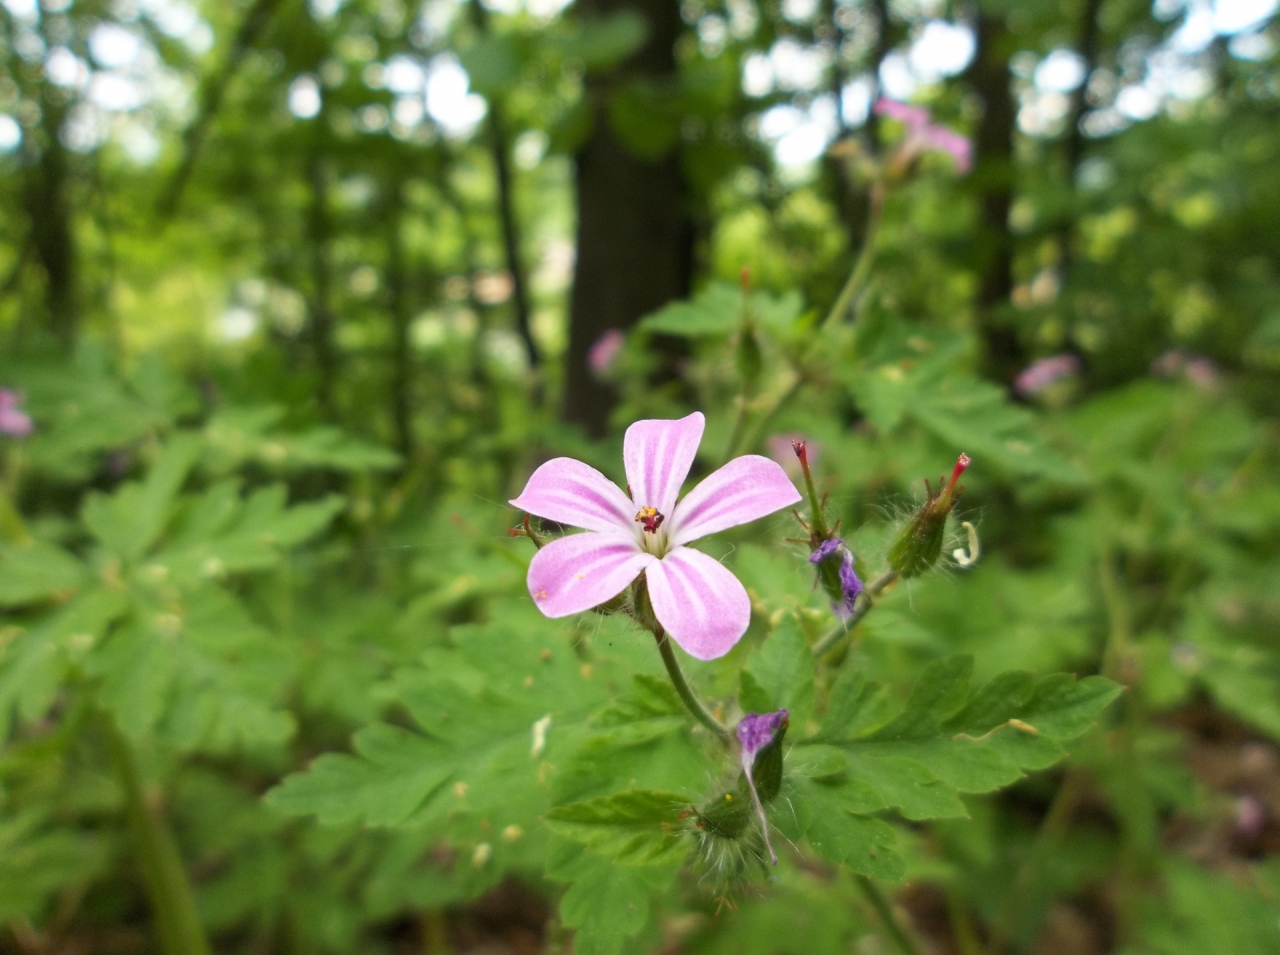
<point>864,605</point>
<point>901,940</point>
<point>696,707</point>
<point>862,268</point>
<point>644,615</point>
<point>173,908</point>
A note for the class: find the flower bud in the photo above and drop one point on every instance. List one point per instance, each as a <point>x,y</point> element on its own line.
<point>837,574</point>
<point>761,737</point>
<point>919,545</point>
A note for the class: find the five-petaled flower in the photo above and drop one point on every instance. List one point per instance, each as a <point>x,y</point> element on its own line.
<point>703,607</point>
<point>924,135</point>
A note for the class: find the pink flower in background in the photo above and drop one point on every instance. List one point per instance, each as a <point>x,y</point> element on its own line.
<point>699,603</point>
<point>1041,374</point>
<point>1198,369</point>
<point>13,421</point>
<point>602,355</point>
<point>781,448</point>
<point>924,135</point>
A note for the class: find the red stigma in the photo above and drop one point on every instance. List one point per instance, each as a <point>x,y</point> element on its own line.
<point>799,448</point>
<point>962,462</point>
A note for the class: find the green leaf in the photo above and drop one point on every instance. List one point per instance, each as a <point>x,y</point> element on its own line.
<point>948,739</point>
<point>861,844</point>
<point>34,662</point>
<point>602,42</point>
<point>606,903</point>
<point>131,520</point>
<point>715,310</point>
<point>780,673</point>
<point>243,435</point>
<point>391,775</point>
<point>220,533</point>
<point>493,63</point>
<point>500,713</point>
<point>36,571</point>
<point>637,827</point>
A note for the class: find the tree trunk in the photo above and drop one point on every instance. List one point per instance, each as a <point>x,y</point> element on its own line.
<point>1075,144</point>
<point>635,231</point>
<point>321,320</point>
<point>49,213</point>
<point>994,178</point>
<point>401,314</point>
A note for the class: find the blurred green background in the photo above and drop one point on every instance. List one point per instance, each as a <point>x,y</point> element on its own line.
<point>294,294</point>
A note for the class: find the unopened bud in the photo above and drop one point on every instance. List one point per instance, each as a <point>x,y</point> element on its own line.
<point>837,574</point>
<point>919,545</point>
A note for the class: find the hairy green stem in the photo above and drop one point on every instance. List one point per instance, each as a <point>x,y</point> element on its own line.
<point>645,616</point>
<point>861,609</point>
<point>901,940</point>
<point>862,268</point>
<point>173,907</point>
<point>695,706</point>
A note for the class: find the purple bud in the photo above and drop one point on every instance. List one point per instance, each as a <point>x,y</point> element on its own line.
<point>850,585</point>
<point>825,550</point>
<point>756,731</point>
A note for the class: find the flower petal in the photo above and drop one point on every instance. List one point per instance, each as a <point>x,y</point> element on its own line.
<point>745,489</point>
<point>699,602</point>
<point>658,454</point>
<point>582,571</point>
<point>577,494</point>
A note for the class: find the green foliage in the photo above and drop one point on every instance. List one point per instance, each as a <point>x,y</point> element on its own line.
<point>246,645</point>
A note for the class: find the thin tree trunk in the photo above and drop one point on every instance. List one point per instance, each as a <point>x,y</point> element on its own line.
<point>853,203</point>
<point>994,177</point>
<point>1075,143</point>
<point>214,88</point>
<point>52,231</point>
<point>401,347</point>
<point>884,45</point>
<point>635,232</point>
<point>511,232</point>
<point>500,148</point>
<point>321,318</point>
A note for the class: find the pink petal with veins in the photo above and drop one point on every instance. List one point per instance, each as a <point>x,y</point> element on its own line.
<point>745,489</point>
<point>577,494</point>
<point>658,455</point>
<point>701,605</point>
<point>582,571</point>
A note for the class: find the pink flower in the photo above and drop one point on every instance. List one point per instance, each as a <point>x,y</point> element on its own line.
<point>699,603</point>
<point>601,355</point>
<point>13,422</point>
<point>1198,369</point>
<point>924,135</point>
<point>1039,375</point>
